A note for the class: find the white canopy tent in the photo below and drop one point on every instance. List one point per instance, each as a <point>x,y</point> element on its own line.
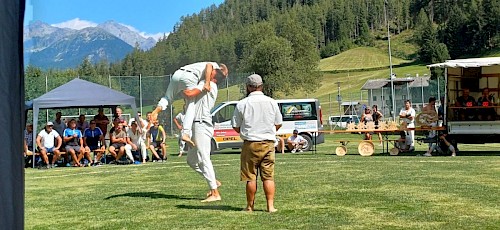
<point>79,93</point>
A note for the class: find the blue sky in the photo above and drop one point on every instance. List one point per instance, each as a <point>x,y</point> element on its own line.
<point>150,17</point>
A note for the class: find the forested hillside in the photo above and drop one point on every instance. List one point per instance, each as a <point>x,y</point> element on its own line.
<point>283,40</point>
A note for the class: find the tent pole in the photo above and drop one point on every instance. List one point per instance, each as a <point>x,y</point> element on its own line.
<point>140,92</point>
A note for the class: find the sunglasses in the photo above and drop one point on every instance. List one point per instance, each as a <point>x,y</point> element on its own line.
<point>92,123</point>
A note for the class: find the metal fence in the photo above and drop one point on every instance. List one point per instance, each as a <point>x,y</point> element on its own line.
<point>146,89</point>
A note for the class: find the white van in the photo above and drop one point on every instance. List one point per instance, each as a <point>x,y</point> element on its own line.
<point>301,114</point>
<point>342,121</point>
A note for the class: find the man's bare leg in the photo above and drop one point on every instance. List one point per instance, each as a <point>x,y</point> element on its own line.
<point>251,189</point>
<point>269,189</point>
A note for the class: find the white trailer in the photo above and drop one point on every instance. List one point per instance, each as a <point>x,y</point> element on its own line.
<point>475,74</point>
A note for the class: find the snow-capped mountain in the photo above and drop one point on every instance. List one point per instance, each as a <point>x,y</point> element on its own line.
<point>46,46</point>
<point>128,35</point>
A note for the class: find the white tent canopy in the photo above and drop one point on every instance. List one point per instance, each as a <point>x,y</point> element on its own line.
<point>468,63</point>
<point>79,93</point>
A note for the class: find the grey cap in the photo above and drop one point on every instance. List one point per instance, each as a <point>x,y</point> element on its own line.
<point>254,80</point>
<point>50,123</point>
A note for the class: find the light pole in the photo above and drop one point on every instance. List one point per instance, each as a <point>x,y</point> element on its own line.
<point>390,62</point>
<point>339,98</point>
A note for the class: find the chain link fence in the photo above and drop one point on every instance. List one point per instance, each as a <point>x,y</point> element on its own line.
<point>147,91</point>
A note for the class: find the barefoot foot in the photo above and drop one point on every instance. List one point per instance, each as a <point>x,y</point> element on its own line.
<point>211,199</point>
<point>272,210</point>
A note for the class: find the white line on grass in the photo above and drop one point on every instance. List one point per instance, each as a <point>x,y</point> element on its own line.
<point>118,169</point>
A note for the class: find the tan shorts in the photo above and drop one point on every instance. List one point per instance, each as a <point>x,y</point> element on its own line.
<point>257,156</point>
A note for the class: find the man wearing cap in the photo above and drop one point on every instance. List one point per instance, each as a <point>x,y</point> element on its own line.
<point>295,142</point>
<point>46,146</point>
<point>256,118</point>
<point>188,77</point>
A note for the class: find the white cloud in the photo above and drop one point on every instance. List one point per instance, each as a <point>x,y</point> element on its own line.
<point>156,36</point>
<point>75,24</point>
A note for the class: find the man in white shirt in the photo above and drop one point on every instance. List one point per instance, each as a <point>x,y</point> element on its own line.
<point>198,157</point>
<point>295,142</point>
<point>256,118</point>
<point>135,141</point>
<point>46,145</point>
<point>407,114</point>
<point>188,77</point>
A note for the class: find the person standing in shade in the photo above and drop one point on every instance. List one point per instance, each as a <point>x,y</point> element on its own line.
<point>188,77</point>
<point>256,118</point>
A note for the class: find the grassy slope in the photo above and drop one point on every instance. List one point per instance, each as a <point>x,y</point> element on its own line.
<point>358,58</point>
<point>314,191</point>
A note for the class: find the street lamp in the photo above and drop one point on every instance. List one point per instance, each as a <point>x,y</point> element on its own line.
<point>392,76</point>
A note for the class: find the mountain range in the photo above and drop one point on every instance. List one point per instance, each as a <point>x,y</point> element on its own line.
<point>46,46</point>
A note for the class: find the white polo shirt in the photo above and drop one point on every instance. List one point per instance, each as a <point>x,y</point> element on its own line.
<point>256,116</point>
<point>205,102</point>
<point>48,138</point>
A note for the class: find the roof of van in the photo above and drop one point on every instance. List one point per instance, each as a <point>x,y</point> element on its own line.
<point>468,63</point>
<point>282,100</point>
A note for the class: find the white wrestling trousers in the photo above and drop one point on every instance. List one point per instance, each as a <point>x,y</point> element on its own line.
<point>128,151</point>
<point>198,158</point>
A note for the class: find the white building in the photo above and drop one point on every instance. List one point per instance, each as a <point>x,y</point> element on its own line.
<point>415,89</point>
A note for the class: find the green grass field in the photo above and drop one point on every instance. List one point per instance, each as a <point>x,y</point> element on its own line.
<point>314,191</point>
<point>359,58</point>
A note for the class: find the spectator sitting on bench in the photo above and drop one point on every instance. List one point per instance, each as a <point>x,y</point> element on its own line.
<point>74,143</point>
<point>135,142</point>
<point>442,146</point>
<point>403,143</point>
<point>45,143</point>
<point>28,140</point>
<point>486,114</point>
<point>466,101</point>
<point>93,138</point>
<point>295,142</point>
<point>118,140</point>
<point>156,140</point>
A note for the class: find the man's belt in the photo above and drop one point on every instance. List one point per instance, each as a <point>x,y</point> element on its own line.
<point>206,122</point>
<point>189,71</point>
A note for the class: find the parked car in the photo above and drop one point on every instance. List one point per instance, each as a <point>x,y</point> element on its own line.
<point>342,121</point>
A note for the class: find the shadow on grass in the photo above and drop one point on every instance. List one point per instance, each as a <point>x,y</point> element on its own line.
<point>152,195</point>
<point>210,207</point>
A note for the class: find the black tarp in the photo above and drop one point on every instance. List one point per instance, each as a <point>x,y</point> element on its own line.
<point>11,114</point>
